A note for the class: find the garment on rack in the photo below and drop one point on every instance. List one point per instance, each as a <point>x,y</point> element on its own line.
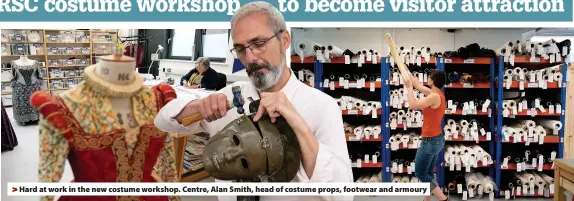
<point>25,81</point>
<point>80,125</point>
<point>9,140</point>
<point>139,51</point>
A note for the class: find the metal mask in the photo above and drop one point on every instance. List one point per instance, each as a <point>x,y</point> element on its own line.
<point>248,151</point>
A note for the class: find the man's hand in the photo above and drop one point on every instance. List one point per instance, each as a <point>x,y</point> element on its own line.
<point>275,104</point>
<point>211,108</point>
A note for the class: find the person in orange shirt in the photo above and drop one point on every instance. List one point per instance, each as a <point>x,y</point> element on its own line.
<point>433,106</point>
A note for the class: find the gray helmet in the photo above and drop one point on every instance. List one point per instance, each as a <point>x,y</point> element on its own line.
<point>248,151</point>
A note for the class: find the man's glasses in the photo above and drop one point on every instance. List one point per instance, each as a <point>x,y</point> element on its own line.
<point>255,47</point>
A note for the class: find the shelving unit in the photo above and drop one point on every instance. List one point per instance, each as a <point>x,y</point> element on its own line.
<point>492,118</point>
<point>72,45</point>
<point>459,91</point>
<point>326,79</point>
<point>514,146</point>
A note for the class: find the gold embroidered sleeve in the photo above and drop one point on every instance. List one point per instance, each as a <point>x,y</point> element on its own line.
<point>53,154</point>
<point>165,164</point>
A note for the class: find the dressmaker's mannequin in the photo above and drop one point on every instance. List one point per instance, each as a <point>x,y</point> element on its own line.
<point>119,70</point>
<point>104,128</point>
<point>24,61</point>
<point>25,81</point>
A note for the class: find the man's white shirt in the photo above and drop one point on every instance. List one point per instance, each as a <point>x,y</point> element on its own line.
<point>319,111</point>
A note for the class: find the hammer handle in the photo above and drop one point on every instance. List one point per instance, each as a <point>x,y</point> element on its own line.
<point>197,117</point>
<point>404,70</point>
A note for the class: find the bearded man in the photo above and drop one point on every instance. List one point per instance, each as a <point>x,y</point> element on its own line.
<point>260,41</point>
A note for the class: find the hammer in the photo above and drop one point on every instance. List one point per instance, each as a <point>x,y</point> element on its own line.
<point>237,102</point>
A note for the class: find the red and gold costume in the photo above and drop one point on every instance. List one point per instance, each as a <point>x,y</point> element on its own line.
<point>81,126</point>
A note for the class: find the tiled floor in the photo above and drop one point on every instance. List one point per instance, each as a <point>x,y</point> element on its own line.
<point>21,165</point>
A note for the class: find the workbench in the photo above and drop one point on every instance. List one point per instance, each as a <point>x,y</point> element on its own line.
<point>563,178</point>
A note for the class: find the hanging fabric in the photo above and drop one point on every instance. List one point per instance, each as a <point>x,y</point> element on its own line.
<point>9,140</point>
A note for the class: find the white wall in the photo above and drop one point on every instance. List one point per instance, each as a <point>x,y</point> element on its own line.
<point>359,38</point>
<point>438,39</point>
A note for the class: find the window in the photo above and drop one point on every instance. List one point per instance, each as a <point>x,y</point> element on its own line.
<point>215,43</point>
<point>190,44</point>
<point>181,43</point>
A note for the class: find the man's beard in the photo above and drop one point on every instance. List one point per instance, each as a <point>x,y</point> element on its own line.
<point>264,80</point>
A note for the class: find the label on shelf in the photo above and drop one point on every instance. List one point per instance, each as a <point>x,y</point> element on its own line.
<point>535,59</point>
<point>359,163</point>
<point>464,195</point>
<point>467,85</point>
<point>469,61</point>
<point>352,112</point>
<point>551,188</point>
<point>447,61</point>
<point>471,193</point>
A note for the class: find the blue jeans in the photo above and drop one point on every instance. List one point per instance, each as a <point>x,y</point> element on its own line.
<point>426,159</point>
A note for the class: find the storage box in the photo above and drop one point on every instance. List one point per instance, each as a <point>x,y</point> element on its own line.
<point>67,36</point>
<point>54,63</point>
<point>53,51</point>
<point>19,49</point>
<point>83,62</point>
<point>4,38</point>
<point>37,49</point>
<point>69,62</point>
<point>7,100</point>
<point>18,38</point>
<point>35,36</point>
<point>53,38</point>
<point>5,49</point>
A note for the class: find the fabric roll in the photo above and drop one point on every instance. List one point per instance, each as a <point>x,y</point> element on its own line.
<point>360,179</point>
<point>414,180</point>
<point>539,181</point>
<point>549,180</point>
<point>471,181</point>
<point>396,179</point>
<point>350,129</point>
<point>376,130</point>
<point>528,177</point>
<point>405,179</point>
<point>374,179</point>
<point>540,130</point>
<point>488,185</point>
<point>520,180</point>
<point>306,48</point>
<point>558,76</point>
<point>367,131</point>
<point>551,124</point>
<point>527,47</point>
<point>365,179</point>
<point>529,123</point>
<point>335,51</point>
<point>359,131</point>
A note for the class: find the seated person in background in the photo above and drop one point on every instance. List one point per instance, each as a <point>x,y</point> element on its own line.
<point>202,76</point>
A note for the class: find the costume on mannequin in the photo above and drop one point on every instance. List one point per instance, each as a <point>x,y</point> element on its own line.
<point>25,81</point>
<point>104,127</point>
<point>9,140</point>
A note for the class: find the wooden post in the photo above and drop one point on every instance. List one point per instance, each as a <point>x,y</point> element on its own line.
<point>569,119</point>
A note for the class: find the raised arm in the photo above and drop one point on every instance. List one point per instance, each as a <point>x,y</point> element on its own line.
<point>419,86</point>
